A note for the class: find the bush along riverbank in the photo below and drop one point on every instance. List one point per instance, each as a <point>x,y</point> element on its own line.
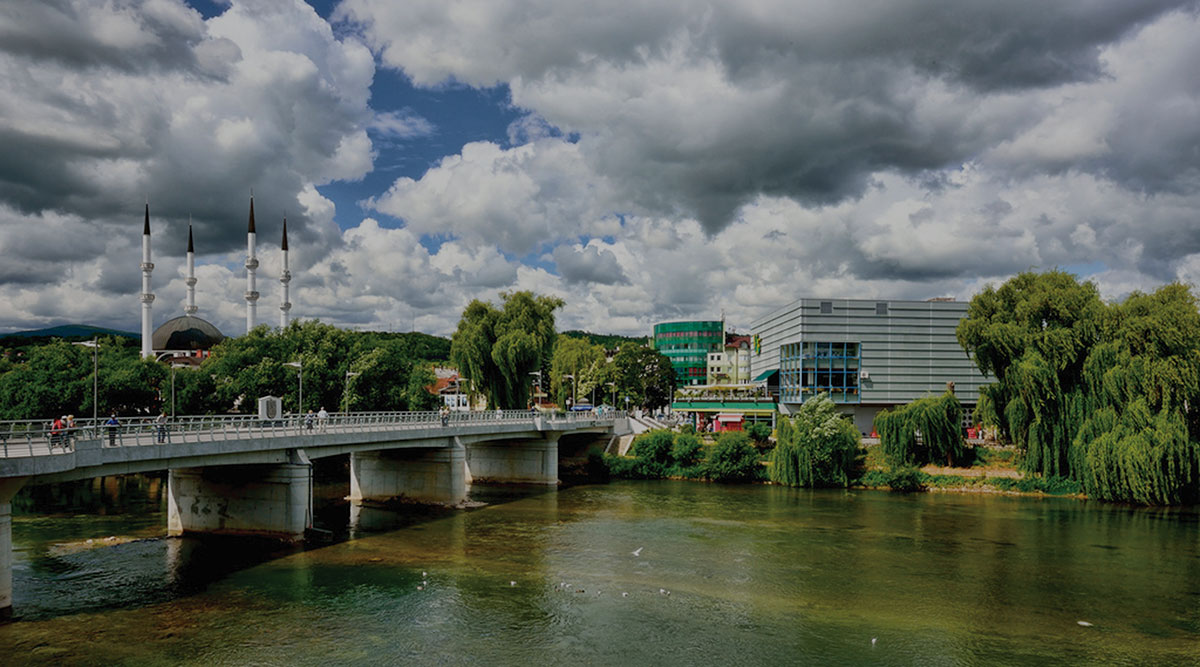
<point>817,448</point>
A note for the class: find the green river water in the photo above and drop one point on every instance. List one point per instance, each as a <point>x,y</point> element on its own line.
<point>756,575</point>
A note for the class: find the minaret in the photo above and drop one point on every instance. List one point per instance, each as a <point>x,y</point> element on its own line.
<point>147,295</point>
<point>251,265</point>
<point>190,308</point>
<point>285,277</point>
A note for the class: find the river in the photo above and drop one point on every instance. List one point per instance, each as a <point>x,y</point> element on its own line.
<point>628,573</point>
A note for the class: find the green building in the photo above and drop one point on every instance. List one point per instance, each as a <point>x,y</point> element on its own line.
<point>687,345</point>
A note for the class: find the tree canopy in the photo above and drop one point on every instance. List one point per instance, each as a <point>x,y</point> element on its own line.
<point>1104,394</point>
<point>498,348</point>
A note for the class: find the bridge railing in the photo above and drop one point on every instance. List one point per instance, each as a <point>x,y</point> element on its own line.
<point>39,437</point>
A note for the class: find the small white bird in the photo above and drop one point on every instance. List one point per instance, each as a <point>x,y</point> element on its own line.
<point>624,595</point>
<point>1084,624</point>
<point>638,551</point>
<point>873,641</point>
<point>420,588</point>
<point>424,574</point>
<point>424,583</point>
<point>512,583</point>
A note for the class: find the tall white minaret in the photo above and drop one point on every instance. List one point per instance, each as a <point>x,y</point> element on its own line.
<point>251,265</point>
<point>147,295</point>
<point>285,277</point>
<point>190,308</point>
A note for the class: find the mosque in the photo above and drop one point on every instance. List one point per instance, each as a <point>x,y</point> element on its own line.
<point>188,338</point>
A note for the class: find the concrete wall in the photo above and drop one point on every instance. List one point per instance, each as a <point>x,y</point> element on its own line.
<point>421,475</point>
<point>514,462</point>
<point>8,489</point>
<point>270,500</point>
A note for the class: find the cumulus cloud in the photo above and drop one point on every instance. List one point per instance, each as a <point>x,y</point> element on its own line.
<point>107,104</point>
<point>591,264</point>
<point>695,108</point>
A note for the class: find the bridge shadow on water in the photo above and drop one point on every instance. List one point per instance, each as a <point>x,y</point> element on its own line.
<point>101,544</point>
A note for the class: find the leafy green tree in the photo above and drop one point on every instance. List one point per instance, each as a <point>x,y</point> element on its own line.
<point>926,430</point>
<point>580,359</point>
<point>1104,395</point>
<point>687,451</point>
<point>732,459</point>
<point>499,348</point>
<point>645,376</point>
<point>816,448</point>
<point>1033,333</point>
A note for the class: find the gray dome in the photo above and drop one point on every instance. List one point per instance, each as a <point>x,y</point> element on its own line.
<point>186,333</point>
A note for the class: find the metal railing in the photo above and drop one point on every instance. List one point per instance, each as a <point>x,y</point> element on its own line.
<point>40,438</point>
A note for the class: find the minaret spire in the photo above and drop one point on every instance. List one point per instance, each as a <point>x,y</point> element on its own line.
<point>251,265</point>
<point>285,277</point>
<point>190,308</point>
<point>147,295</point>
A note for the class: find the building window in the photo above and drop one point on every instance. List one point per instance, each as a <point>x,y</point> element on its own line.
<point>808,369</point>
<point>826,307</point>
<point>881,308</point>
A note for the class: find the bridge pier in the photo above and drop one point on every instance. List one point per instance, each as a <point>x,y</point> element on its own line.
<point>273,500</point>
<point>421,475</point>
<point>514,461</point>
<point>8,488</point>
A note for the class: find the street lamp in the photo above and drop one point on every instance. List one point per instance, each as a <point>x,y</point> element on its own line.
<point>537,385</point>
<point>571,398</point>
<point>174,365</point>
<point>94,343</point>
<point>614,392</point>
<point>299,365</point>
<point>346,391</point>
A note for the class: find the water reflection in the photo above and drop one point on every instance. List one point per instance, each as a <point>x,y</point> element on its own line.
<point>755,574</point>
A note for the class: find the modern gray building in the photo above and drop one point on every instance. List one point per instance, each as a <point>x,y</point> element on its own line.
<point>868,355</point>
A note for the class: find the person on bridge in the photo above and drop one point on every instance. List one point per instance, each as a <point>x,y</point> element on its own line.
<point>112,425</point>
<point>308,419</point>
<point>56,431</point>
<point>444,413</point>
<point>160,426</point>
<point>322,418</point>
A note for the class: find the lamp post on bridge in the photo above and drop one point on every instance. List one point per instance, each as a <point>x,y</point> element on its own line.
<point>571,398</point>
<point>94,343</point>
<point>614,393</point>
<point>346,391</point>
<point>299,365</point>
<point>536,387</point>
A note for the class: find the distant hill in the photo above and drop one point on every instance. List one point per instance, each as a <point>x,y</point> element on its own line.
<point>69,331</point>
<point>608,341</point>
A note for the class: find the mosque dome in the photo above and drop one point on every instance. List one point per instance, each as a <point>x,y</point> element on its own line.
<point>186,333</point>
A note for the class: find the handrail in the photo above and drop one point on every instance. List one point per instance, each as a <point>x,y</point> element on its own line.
<point>31,437</point>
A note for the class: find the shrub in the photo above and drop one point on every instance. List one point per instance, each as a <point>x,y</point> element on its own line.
<point>906,479</point>
<point>687,429</point>
<point>654,447</point>
<point>732,459</point>
<point>687,450</point>
<point>760,434</point>
<point>817,448</point>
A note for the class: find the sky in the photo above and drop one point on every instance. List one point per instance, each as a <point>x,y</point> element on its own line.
<point>644,161</point>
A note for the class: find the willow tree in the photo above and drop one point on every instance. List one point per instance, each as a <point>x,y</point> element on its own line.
<point>927,430</point>
<point>1138,441</point>
<point>1033,334</point>
<point>815,448</point>
<point>498,348</point>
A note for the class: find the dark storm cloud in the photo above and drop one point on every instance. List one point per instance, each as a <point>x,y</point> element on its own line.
<point>134,36</point>
<point>589,265</point>
<point>696,108</point>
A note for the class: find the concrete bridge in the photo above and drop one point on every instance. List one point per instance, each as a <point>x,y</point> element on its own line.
<point>244,475</point>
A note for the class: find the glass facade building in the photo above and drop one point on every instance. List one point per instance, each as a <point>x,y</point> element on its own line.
<point>687,345</point>
<point>867,355</point>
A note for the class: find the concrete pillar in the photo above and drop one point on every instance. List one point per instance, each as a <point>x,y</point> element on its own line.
<point>274,500</point>
<point>514,462</point>
<point>8,488</point>
<point>420,475</point>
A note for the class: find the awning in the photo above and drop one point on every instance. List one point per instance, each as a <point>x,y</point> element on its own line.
<point>729,418</point>
<point>766,375</point>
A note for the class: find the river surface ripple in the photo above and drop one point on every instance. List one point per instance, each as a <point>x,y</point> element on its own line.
<point>626,573</point>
